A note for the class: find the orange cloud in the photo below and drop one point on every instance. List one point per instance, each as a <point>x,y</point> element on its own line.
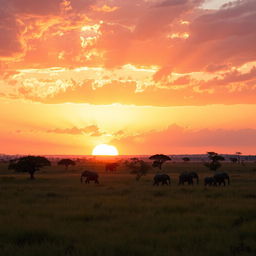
<point>176,139</point>
<point>137,32</point>
<point>131,85</point>
<point>92,130</point>
<point>105,8</point>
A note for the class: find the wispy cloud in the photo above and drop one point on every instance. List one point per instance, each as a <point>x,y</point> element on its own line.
<point>91,130</point>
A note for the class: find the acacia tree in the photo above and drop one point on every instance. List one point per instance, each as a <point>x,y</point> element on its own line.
<point>29,164</point>
<point>159,159</point>
<point>215,159</point>
<point>239,157</point>
<point>233,160</point>
<point>66,162</point>
<point>138,167</point>
<point>186,159</point>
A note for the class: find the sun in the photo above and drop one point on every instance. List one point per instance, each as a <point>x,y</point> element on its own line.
<point>105,150</point>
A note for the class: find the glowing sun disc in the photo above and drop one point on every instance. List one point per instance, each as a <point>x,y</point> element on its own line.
<point>105,150</point>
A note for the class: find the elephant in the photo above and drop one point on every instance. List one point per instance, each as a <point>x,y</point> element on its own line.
<point>210,181</point>
<point>90,176</point>
<point>220,178</point>
<point>188,177</point>
<point>162,178</point>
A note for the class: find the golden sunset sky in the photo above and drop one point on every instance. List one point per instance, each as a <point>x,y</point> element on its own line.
<point>147,76</point>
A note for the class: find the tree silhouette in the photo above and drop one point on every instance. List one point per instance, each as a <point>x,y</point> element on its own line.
<point>138,167</point>
<point>215,159</point>
<point>233,160</point>
<point>239,157</point>
<point>159,159</point>
<point>66,162</point>
<point>111,167</point>
<point>29,164</point>
<point>186,159</point>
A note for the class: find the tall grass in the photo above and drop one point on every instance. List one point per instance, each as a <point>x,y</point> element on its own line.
<point>56,215</point>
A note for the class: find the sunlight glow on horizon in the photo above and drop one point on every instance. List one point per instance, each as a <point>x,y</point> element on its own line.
<point>105,150</point>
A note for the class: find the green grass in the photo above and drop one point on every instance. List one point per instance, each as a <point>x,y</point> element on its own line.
<point>56,215</point>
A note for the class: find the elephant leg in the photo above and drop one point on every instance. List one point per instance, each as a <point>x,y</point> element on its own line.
<point>224,183</point>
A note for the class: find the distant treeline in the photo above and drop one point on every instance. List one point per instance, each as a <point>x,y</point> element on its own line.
<point>176,158</point>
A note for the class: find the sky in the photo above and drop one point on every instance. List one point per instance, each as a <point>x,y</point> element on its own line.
<point>147,76</point>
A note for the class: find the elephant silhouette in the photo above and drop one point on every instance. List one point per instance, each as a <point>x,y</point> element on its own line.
<point>164,179</point>
<point>188,177</point>
<point>209,181</point>
<point>220,178</point>
<point>89,176</point>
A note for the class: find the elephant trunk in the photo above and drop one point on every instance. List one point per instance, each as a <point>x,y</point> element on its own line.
<point>197,180</point>
<point>228,180</point>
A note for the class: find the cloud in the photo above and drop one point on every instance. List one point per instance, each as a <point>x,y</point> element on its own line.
<point>105,8</point>
<point>27,24</point>
<point>167,3</point>
<point>91,130</point>
<point>177,139</point>
<point>176,37</point>
<point>11,30</point>
<point>132,86</point>
<point>225,36</point>
<point>233,77</point>
<point>136,32</point>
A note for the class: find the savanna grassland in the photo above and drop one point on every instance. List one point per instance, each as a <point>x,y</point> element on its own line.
<point>57,215</point>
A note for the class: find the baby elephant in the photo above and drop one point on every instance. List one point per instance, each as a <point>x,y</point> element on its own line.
<point>164,179</point>
<point>210,181</point>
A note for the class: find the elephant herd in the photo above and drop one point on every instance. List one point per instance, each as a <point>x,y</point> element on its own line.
<point>217,179</point>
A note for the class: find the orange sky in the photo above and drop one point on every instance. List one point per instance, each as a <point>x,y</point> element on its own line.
<point>148,76</point>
